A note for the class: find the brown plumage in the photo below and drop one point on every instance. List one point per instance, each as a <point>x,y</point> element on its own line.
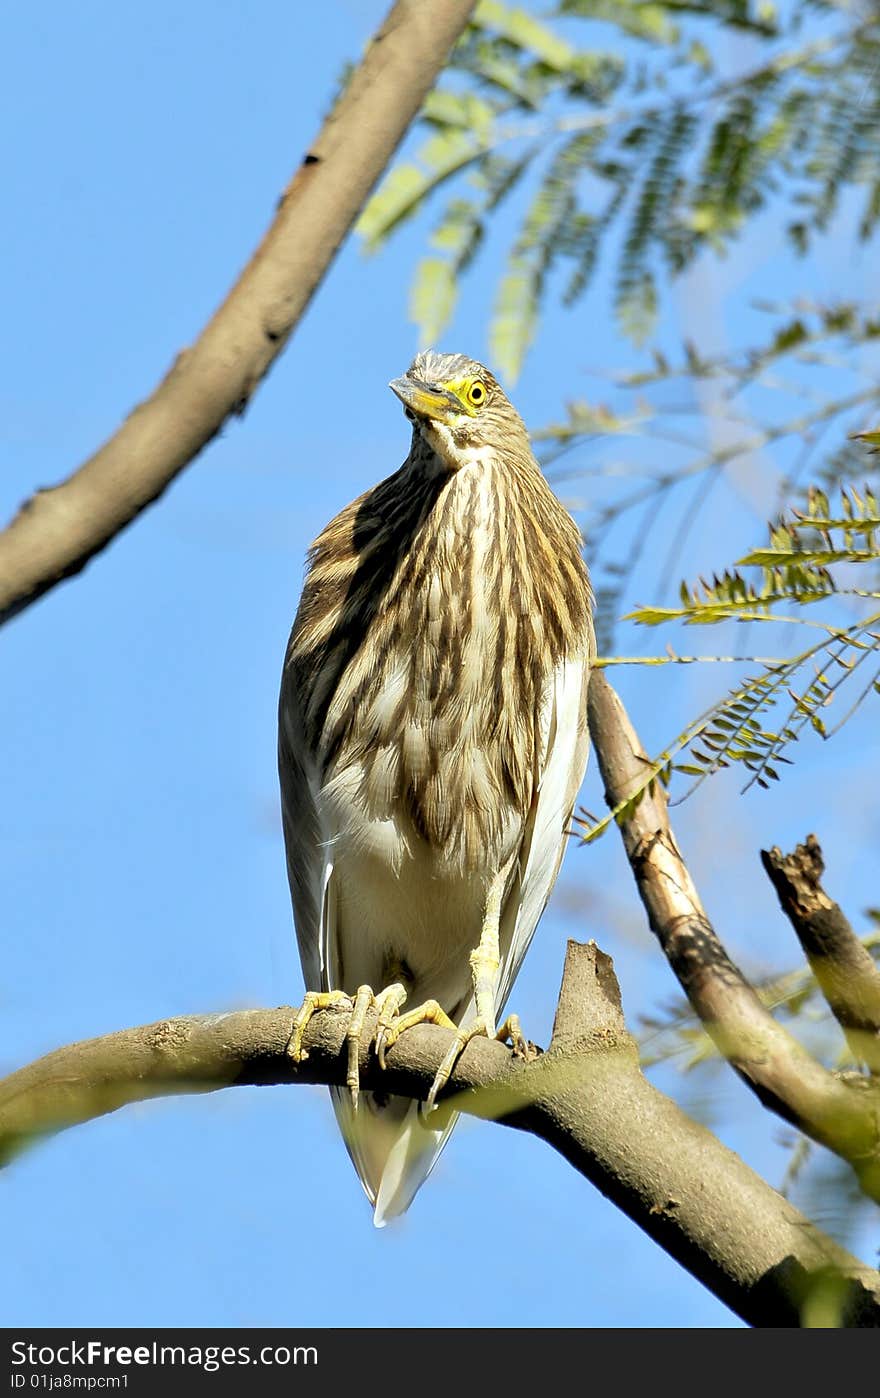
<point>433,733</point>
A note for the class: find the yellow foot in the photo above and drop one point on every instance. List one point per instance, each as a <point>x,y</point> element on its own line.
<point>387,1034</point>
<point>510,1030</point>
<point>314,1001</point>
<point>387,1002</point>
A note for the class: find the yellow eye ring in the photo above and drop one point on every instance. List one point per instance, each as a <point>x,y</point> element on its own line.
<point>476,394</point>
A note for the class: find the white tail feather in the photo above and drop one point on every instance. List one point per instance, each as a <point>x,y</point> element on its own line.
<point>391,1147</point>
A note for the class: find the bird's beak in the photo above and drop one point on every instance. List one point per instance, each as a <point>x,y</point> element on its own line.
<point>429,400</point>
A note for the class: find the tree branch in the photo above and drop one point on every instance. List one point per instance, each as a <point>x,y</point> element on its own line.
<point>845,970</point>
<point>57,531</point>
<point>586,1096</point>
<point>842,1114</point>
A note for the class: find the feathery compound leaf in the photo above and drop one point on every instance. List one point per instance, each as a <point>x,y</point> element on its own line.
<point>681,159</point>
<point>527,33</point>
<point>653,217</point>
<point>732,597</point>
<point>776,556</point>
<point>799,557</point>
<point>516,312</point>
<point>643,19</point>
<point>444,109</point>
<point>457,238</point>
<point>432,298</point>
<point>407,186</point>
<point>806,685</point>
<point>552,229</point>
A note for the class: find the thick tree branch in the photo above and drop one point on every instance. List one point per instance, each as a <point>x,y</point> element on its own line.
<point>60,529</point>
<point>845,970</point>
<point>586,1096</point>
<point>843,1114</point>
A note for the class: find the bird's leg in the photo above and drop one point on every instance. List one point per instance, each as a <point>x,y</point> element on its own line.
<point>485,961</point>
<point>314,1001</point>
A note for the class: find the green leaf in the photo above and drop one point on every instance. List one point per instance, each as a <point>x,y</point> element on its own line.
<point>640,18</point>
<point>515,317</point>
<point>407,186</point>
<point>432,298</point>
<point>526,32</point>
<point>653,616</point>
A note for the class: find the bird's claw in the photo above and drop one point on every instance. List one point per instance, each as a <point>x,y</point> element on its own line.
<point>387,1026</point>
<point>390,1024</point>
<point>314,1001</point>
<point>387,1002</point>
<point>521,1046</point>
<point>478,1028</point>
<point>431,1012</point>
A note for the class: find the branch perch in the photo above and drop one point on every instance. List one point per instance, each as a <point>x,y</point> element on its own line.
<point>842,1114</point>
<point>57,531</point>
<point>586,1096</point>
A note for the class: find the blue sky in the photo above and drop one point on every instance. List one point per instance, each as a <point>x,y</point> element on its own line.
<point>141,861</point>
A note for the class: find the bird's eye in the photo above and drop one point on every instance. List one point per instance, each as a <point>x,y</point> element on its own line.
<point>476,394</point>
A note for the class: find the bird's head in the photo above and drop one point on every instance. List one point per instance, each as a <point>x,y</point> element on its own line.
<point>459,409</point>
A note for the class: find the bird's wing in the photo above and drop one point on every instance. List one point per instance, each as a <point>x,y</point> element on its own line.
<point>309,865</point>
<point>565,745</point>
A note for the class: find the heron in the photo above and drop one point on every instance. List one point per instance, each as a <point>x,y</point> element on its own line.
<point>432,741</point>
